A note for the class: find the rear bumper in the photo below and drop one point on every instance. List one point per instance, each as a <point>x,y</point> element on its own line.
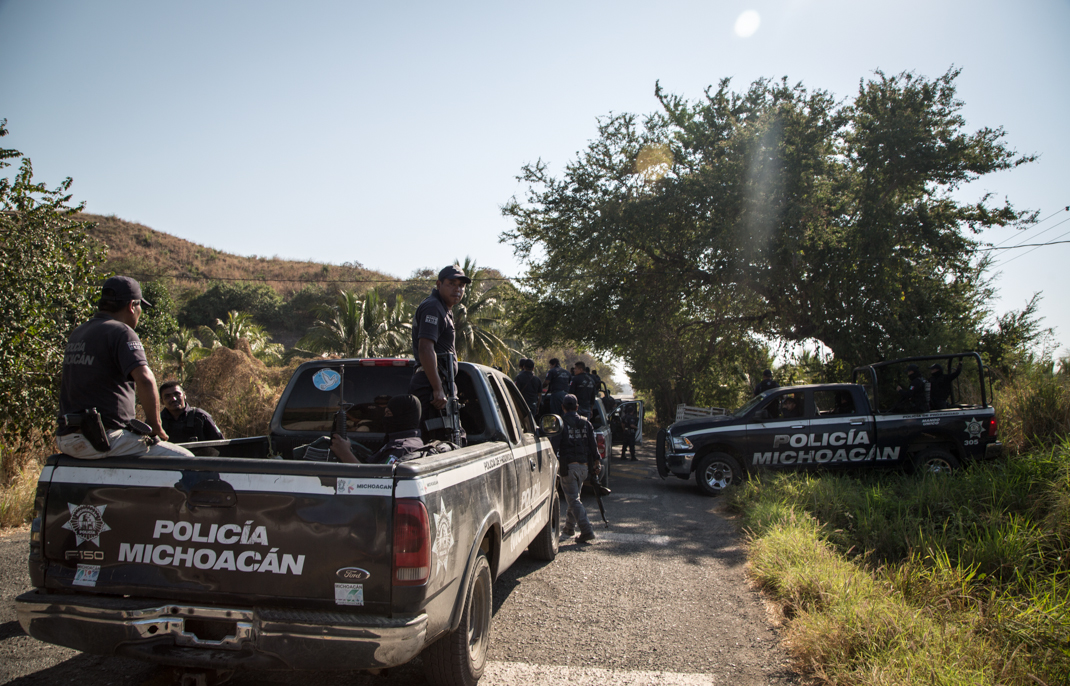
<point>993,450</point>
<point>218,637</point>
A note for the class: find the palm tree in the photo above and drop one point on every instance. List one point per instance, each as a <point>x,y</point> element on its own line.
<point>356,327</point>
<point>182,349</point>
<point>480,322</point>
<point>240,325</point>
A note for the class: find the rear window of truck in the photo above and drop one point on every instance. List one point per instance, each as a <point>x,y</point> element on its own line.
<point>369,389</point>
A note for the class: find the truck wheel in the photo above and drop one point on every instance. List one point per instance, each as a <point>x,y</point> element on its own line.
<point>935,461</point>
<point>458,658</point>
<point>716,472</point>
<point>546,544</point>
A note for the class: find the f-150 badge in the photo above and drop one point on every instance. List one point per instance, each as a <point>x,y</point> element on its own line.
<point>87,523</point>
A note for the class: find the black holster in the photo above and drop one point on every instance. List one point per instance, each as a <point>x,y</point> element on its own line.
<point>92,427</point>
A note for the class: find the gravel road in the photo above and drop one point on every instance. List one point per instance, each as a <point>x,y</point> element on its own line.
<point>660,598</point>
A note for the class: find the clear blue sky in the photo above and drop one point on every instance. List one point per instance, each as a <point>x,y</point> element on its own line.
<point>391,133</point>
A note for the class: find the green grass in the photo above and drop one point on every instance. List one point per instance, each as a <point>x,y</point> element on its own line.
<point>892,579</point>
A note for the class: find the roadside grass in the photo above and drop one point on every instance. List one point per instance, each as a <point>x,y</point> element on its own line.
<point>894,579</point>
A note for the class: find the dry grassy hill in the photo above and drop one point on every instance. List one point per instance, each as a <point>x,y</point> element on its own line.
<point>146,254</point>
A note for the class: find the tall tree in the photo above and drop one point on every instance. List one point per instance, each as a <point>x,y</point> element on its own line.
<point>776,212</point>
<point>49,269</point>
<point>360,327</point>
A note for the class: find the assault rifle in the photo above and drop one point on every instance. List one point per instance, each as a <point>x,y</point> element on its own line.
<point>451,414</point>
<point>342,416</point>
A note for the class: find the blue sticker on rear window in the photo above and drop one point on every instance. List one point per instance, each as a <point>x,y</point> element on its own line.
<point>327,379</point>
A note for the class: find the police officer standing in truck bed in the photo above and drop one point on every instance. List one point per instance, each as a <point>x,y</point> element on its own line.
<point>433,333</point>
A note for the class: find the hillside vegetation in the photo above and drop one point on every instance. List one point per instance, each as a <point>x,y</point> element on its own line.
<point>147,254</point>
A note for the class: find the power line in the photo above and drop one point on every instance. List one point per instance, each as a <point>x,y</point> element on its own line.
<point>1001,264</point>
<point>1038,225</point>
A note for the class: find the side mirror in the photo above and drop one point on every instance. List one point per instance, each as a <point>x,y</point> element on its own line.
<point>550,424</point>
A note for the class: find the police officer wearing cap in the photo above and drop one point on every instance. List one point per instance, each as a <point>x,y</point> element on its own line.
<point>433,333</point>
<point>104,369</point>
<point>766,383</point>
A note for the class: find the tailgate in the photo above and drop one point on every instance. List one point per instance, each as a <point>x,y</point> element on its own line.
<point>222,530</point>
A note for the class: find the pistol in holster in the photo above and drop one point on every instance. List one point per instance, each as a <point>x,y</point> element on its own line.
<point>90,423</point>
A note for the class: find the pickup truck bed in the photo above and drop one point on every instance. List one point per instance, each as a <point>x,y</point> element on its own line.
<point>275,564</point>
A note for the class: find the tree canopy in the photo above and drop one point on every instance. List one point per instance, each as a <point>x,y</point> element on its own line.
<point>683,241</point>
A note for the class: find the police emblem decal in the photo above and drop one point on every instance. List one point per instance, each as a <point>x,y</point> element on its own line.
<point>87,523</point>
<point>431,319</point>
<point>443,536</point>
<point>974,428</point>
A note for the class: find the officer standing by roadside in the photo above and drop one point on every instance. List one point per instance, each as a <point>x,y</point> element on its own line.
<point>183,423</point>
<point>104,368</point>
<point>529,385</point>
<point>578,452</point>
<point>629,425</point>
<point>556,385</point>
<point>766,383</point>
<point>433,333</point>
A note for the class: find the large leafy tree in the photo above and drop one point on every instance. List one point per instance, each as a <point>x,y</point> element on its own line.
<point>49,270</point>
<point>777,212</point>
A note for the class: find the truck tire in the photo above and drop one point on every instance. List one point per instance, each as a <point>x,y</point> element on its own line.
<point>716,472</point>
<point>546,544</point>
<point>459,657</point>
<point>935,461</point>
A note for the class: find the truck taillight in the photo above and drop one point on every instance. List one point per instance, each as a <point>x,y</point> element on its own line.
<point>601,445</point>
<point>992,427</point>
<point>412,543</point>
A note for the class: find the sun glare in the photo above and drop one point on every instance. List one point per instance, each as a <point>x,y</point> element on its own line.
<point>747,24</point>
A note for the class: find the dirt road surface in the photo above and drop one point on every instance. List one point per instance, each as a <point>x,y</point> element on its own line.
<point>660,598</point>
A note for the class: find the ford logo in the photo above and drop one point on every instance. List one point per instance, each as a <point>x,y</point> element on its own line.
<point>353,574</point>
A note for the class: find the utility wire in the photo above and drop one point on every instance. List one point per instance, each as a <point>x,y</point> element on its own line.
<point>1037,226</point>
<point>1001,264</point>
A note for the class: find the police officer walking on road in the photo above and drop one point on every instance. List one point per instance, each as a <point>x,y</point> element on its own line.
<point>556,386</point>
<point>578,453</point>
<point>529,385</point>
<point>183,423</point>
<point>104,369</point>
<point>433,334</point>
<point>629,425</point>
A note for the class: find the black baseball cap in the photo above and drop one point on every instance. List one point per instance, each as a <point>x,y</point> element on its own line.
<point>123,289</point>
<point>453,272</point>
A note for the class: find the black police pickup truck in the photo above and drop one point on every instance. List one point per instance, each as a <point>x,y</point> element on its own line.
<point>867,424</point>
<point>217,563</point>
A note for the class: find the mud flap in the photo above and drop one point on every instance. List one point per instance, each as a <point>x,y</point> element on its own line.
<point>663,467</point>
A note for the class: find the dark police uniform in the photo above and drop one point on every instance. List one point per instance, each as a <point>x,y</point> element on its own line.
<point>765,385</point>
<point>96,372</point>
<point>434,321</point>
<point>193,424</point>
<point>578,452</point>
<point>530,387</point>
<point>557,382</point>
<point>401,443</point>
<point>940,386</point>
<point>583,387</point>
<point>916,397</point>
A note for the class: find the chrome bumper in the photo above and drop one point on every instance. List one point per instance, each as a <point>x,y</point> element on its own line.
<point>993,450</point>
<point>219,637</point>
<point>679,464</point>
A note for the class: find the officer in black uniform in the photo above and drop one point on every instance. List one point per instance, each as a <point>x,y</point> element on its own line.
<point>529,385</point>
<point>766,383</point>
<point>915,398</point>
<point>104,369</point>
<point>556,386</point>
<point>183,423</point>
<point>433,333</point>
<point>940,385</point>
<point>402,434</point>
<point>582,386</point>
<point>578,452</point>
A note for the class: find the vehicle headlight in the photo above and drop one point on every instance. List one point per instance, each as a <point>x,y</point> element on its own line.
<point>681,443</point>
